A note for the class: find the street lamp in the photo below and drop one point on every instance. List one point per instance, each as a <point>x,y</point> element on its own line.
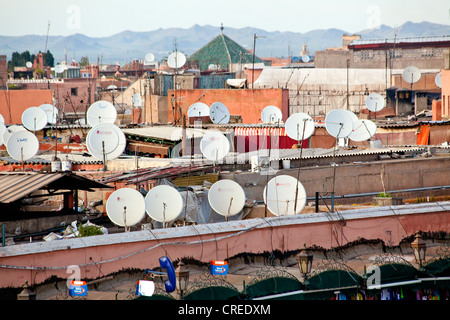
<point>419,249</point>
<point>305,259</point>
<point>182,275</point>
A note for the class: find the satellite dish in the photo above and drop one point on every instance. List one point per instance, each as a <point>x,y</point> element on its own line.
<point>176,60</point>
<point>214,145</point>
<point>29,64</point>
<point>305,58</point>
<point>339,123</point>
<point>2,131</point>
<point>437,80</point>
<point>198,109</point>
<point>281,194</point>
<point>9,131</point>
<point>271,114</point>
<point>34,119</point>
<point>2,120</point>
<point>411,74</point>
<point>51,112</point>
<point>363,130</point>
<point>59,69</point>
<point>22,145</point>
<point>226,197</point>
<point>299,125</point>
<point>125,207</point>
<point>106,141</point>
<point>101,112</point>
<point>219,113</point>
<point>375,102</point>
<point>163,203</point>
<point>149,57</point>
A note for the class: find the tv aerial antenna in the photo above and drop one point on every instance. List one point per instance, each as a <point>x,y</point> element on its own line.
<point>125,207</point>
<point>226,197</point>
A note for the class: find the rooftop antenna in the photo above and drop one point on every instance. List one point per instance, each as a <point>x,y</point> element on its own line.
<point>163,203</point>
<point>411,75</point>
<point>226,197</point>
<point>278,195</point>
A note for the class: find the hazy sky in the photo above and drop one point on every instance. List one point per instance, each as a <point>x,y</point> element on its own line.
<point>98,18</point>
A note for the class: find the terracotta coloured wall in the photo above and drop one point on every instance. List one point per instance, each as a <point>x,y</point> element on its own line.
<point>14,102</point>
<point>445,94</point>
<point>245,102</point>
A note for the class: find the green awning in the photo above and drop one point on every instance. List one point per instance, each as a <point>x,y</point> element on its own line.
<point>213,293</point>
<point>272,286</point>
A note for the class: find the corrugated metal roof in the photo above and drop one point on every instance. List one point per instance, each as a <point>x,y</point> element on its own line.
<point>17,185</point>
<point>401,40</point>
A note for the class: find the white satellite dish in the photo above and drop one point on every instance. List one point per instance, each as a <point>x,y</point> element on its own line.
<point>2,120</point>
<point>339,123</point>
<point>437,80</point>
<point>375,102</point>
<point>149,57</point>
<point>411,74</point>
<point>59,69</point>
<point>2,131</point>
<point>299,125</point>
<point>28,64</point>
<point>125,207</point>
<point>214,145</point>
<point>219,113</point>
<point>226,197</point>
<point>51,111</point>
<point>284,195</point>
<point>9,131</point>
<point>106,141</point>
<point>34,119</point>
<point>22,145</point>
<point>176,60</point>
<point>305,58</point>
<point>163,203</point>
<point>363,130</point>
<point>101,112</point>
<point>271,114</point>
<point>198,109</point>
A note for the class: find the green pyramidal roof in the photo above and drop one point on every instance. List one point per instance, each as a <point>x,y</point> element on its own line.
<point>222,51</point>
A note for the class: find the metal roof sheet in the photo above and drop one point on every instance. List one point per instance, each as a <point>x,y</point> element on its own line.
<point>17,185</point>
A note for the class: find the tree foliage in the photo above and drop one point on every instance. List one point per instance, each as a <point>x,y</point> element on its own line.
<point>20,59</point>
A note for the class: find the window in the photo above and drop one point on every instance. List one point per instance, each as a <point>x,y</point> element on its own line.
<point>74,91</point>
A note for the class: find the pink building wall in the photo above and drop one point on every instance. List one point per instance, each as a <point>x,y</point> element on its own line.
<point>98,256</point>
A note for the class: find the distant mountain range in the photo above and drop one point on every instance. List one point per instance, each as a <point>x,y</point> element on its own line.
<point>128,45</point>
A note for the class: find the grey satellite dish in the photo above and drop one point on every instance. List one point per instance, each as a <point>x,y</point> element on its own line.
<point>214,146</point>
<point>219,113</point>
<point>163,203</point>
<point>363,130</point>
<point>437,80</point>
<point>284,195</point>
<point>22,145</point>
<point>34,119</point>
<point>101,112</point>
<point>305,58</point>
<point>198,109</point>
<point>176,60</point>
<point>271,114</point>
<point>226,197</point>
<point>339,123</point>
<point>299,126</point>
<point>125,207</point>
<point>106,141</point>
<point>375,102</point>
<point>51,111</point>
<point>411,74</point>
